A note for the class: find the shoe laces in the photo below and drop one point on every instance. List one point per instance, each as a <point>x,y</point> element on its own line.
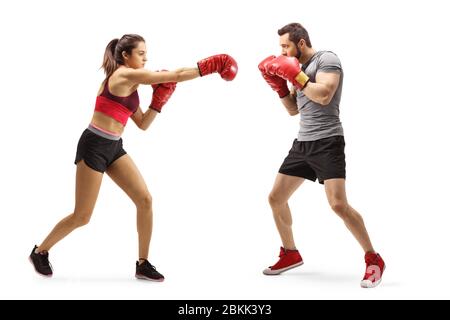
<point>147,264</point>
<point>372,260</point>
<point>44,258</point>
<point>285,252</point>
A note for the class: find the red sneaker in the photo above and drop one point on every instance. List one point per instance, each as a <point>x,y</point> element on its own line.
<point>288,259</point>
<point>374,270</point>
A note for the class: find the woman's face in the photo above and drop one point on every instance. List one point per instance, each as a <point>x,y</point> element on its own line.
<point>138,56</point>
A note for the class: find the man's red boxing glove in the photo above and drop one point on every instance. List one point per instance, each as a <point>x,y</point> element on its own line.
<point>161,94</point>
<point>275,82</point>
<point>289,69</point>
<point>224,64</point>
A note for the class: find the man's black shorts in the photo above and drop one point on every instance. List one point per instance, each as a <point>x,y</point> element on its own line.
<point>321,159</point>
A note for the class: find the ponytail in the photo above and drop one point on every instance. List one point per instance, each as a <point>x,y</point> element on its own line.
<point>113,53</point>
<point>109,61</point>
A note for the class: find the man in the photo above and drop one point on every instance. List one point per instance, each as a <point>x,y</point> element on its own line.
<point>318,151</point>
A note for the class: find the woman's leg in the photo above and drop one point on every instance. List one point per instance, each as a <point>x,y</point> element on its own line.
<point>88,183</point>
<point>124,172</point>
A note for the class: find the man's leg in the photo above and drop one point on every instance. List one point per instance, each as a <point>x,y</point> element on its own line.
<point>282,190</point>
<point>335,190</point>
<point>337,198</point>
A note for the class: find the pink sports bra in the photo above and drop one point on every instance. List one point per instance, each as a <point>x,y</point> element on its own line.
<point>118,108</point>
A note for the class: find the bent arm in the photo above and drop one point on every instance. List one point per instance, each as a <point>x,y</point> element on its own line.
<point>290,104</point>
<point>144,120</point>
<point>323,90</point>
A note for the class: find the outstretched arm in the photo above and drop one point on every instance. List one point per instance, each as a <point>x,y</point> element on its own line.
<point>223,64</point>
<point>144,76</point>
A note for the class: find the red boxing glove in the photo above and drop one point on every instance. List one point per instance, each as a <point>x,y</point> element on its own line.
<point>289,69</point>
<point>161,94</point>
<point>224,64</point>
<point>275,82</point>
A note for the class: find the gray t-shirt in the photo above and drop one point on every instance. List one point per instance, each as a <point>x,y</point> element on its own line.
<point>318,121</point>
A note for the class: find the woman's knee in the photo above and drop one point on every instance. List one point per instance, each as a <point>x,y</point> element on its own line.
<point>81,218</point>
<point>144,201</point>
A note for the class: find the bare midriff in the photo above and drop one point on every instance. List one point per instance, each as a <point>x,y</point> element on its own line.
<point>107,123</point>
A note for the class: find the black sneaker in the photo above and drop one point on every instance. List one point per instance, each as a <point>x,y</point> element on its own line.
<point>147,271</point>
<point>41,263</point>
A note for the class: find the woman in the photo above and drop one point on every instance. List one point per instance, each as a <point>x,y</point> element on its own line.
<point>100,147</point>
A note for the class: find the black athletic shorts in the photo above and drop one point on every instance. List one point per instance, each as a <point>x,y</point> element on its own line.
<point>321,159</point>
<point>98,152</point>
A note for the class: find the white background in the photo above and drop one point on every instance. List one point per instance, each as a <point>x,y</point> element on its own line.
<point>211,157</point>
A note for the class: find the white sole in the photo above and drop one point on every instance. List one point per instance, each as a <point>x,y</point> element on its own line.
<point>367,284</point>
<point>270,272</point>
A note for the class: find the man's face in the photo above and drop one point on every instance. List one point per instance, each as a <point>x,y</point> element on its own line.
<point>288,48</point>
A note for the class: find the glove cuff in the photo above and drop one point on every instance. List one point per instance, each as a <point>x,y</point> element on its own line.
<point>284,92</point>
<point>199,69</point>
<point>302,79</point>
<point>157,110</point>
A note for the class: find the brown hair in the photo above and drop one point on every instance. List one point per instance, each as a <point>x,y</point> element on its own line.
<point>296,32</point>
<point>113,53</point>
